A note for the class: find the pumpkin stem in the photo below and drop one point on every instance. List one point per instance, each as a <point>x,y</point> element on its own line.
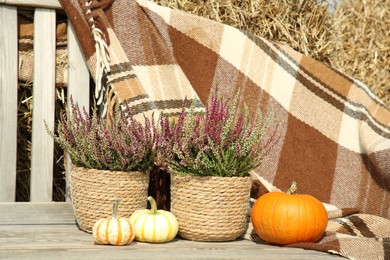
<point>115,209</point>
<point>293,188</point>
<point>153,205</point>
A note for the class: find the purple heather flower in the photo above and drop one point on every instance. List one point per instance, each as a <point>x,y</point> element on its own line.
<point>207,143</point>
<point>110,143</point>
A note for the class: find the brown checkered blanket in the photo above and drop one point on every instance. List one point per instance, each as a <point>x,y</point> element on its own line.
<point>335,133</point>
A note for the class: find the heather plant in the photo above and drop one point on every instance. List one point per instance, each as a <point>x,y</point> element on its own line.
<point>118,142</point>
<point>221,140</point>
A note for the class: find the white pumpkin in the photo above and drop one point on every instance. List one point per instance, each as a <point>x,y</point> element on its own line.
<point>114,230</point>
<point>154,226</point>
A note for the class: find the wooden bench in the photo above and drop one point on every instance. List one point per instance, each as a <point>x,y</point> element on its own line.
<point>43,93</point>
<point>48,231</point>
<point>42,229</point>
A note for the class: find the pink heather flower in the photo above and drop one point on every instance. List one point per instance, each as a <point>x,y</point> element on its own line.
<point>223,141</point>
<point>112,144</point>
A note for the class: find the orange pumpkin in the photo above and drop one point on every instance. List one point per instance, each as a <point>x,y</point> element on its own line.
<point>285,218</point>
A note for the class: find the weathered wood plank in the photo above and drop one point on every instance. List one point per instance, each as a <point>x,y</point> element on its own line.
<point>78,73</point>
<point>36,213</point>
<point>43,105</point>
<point>67,242</point>
<point>19,240</point>
<point>8,101</point>
<point>78,85</point>
<point>34,3</point>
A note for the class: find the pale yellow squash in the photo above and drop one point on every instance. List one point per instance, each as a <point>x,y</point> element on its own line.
<point>114,230</point>
<point>154,226</point>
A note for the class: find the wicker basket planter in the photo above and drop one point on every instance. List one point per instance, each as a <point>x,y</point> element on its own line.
<point>210,208</point>
<point>93,192</point>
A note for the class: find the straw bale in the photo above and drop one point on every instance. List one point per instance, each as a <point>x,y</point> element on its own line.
<point>25,103</point>
<point>304,25</point>
<point>24,141</point>
<point>364,49</point>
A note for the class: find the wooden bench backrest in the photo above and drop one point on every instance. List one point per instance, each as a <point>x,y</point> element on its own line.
<point>43,94</point>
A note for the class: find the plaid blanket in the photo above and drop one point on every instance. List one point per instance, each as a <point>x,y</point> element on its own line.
<point>335,133</point>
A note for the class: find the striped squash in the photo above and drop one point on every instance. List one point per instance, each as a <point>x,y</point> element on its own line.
<point>114,230</point>
<point>154,226</point>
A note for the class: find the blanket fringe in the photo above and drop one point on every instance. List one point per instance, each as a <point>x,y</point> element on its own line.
<point>102,58</point>
<point>266,184</point>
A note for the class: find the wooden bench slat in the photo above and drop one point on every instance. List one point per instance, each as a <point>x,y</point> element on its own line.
<point>78,84</point>
<point>33,213</point>
<point>33,3</point>
<point>67,242</point>
<point>8,102</point>
<point>78,73</point>
<point>43,104</point>
<point>48,231</point>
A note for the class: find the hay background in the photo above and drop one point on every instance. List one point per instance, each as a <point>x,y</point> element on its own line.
<point>354,39</point>
<point>23,167</point>
<point>363,48</point>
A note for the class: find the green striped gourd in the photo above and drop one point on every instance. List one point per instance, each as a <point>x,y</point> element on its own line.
<point>154,226</point>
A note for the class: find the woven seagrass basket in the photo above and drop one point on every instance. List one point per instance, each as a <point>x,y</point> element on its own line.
<point>94,191</point>
<point>210,208</point>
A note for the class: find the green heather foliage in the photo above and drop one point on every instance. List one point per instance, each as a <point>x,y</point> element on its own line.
<point>220,141</point>
<point>119,143</point>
